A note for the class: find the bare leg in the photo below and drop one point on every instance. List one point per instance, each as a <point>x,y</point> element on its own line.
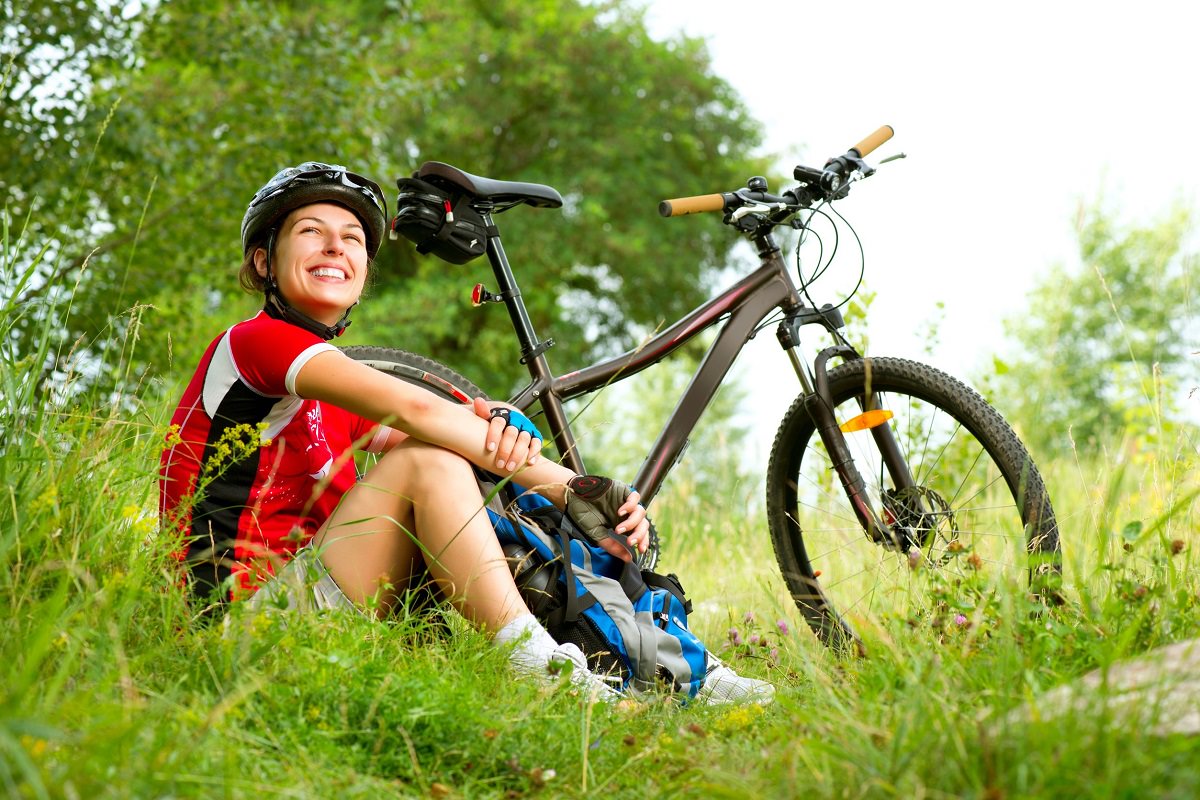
<point>420,492</point>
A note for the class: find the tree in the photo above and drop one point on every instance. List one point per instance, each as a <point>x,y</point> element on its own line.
<point>53,56</point>
<point>566,93</point>
<point>1107,347</point>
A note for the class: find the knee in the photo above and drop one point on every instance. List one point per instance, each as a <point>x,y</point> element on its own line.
<point>416,463</point>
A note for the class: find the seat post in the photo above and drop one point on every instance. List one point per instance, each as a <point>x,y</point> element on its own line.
<point>511,293</point>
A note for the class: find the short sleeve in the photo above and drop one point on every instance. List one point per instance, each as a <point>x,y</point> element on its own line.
<point>269,353</point>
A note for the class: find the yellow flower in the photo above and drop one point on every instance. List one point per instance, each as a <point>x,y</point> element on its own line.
<point>33,745</point>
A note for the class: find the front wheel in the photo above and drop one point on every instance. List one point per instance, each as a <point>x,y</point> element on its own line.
<point>978,513</point>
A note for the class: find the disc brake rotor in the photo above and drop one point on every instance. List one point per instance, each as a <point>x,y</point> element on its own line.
<point>923,521</point>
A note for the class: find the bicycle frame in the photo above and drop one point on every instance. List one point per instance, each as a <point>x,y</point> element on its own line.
<point>744,306</point>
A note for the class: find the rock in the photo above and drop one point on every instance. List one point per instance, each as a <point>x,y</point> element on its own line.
<point>1159,692</point>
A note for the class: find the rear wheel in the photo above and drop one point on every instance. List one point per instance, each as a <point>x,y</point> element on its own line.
<point>449,385</point>
<point>978,515</point>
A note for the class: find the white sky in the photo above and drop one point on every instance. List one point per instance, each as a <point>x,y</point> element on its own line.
<point>1010,114</point>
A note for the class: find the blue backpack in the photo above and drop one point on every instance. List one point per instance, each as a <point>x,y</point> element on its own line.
<point>630,623</point>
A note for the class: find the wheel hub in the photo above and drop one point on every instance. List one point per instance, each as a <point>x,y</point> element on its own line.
<point>919,517</point>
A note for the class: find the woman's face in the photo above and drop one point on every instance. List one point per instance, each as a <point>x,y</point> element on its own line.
<point>320,260</point>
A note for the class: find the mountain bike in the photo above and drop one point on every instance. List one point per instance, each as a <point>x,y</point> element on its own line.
<point>891,486</point>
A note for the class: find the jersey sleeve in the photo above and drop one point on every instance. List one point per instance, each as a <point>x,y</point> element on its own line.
<point>268,353</point>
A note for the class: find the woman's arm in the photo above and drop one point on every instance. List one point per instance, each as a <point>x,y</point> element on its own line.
<point>335,378</point>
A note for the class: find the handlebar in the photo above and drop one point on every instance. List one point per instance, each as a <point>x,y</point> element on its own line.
<point>867,145</point>
<point>681,206</point>
<point>829,179</point>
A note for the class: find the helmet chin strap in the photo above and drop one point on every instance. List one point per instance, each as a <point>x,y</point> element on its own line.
<point>278,308</point>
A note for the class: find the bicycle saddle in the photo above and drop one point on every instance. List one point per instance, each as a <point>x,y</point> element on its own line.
<point>534,194</point>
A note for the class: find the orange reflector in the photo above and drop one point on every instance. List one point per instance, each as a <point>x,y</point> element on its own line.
<point>865,420</point>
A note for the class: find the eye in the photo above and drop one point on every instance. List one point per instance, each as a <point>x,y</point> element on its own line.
<point>354,237</point>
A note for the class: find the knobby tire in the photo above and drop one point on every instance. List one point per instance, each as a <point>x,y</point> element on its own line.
<point>983,498</point>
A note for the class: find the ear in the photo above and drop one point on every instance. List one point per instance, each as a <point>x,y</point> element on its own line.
<point>260,262</point>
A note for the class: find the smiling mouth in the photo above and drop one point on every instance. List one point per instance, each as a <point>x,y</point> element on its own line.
<point>328,272</point>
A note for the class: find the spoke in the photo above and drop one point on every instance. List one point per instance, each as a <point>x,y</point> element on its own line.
<point>969,472</point>
<point>839,548</point>
<point>871,590</point>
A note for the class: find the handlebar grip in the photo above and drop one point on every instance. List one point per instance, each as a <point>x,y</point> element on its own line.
<point>877,138</point>
<point>691,205</point>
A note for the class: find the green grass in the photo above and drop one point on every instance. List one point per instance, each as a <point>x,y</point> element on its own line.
<point>110,689</point>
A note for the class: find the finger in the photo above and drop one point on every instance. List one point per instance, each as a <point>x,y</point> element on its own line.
<point>632,519</point>
<point>630,503</point>
<point>535,449</point>
<point>520,451</point>
<point>508,443</point>
<point>643,535</point>
<point>481,408</point>
<point>614,548</point>
<point>495,432</point>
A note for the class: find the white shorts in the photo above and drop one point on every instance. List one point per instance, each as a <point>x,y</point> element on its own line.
<point>303,585</point>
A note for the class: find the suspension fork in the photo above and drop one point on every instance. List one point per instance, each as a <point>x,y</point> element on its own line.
<point>818,402</point>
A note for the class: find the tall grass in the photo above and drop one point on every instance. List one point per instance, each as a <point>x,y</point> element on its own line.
<point>109,688</point>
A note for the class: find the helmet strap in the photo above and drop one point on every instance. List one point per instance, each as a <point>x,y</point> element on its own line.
<point>278,308</point>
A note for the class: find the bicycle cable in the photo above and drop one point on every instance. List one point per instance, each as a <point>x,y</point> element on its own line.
<point>824,264</point>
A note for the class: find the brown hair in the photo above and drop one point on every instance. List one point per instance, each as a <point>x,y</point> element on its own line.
<point>248,276</point>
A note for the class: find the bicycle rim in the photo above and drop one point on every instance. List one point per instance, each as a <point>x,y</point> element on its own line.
<point>977,521</point>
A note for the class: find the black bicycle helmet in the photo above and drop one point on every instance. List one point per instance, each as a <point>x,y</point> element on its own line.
<point>315,182</point>
<point>291,188</point>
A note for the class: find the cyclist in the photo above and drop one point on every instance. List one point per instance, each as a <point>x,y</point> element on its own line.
<point>258,462</point>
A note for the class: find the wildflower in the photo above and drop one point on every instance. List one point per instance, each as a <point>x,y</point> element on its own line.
<point>782,626</point>
<point>773,656</point>
<point>1176,546</point>
<point>960,620</point>
<point>735,636</point>
<point>748,618</point>
<point>975,561</point>
<point>914,558</point>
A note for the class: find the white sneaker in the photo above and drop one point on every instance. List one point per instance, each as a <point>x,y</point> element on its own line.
<point>594,685</point>
<point>723,685</point>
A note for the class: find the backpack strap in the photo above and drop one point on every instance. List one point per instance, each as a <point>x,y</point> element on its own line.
<point>671,583</point>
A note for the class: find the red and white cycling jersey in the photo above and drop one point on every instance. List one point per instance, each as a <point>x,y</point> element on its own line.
<point>251,470</point>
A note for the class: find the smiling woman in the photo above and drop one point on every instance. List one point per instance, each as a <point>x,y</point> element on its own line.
<point>258,469</point>
<point>320,261</point>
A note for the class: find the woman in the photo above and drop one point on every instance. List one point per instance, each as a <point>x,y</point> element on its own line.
<point>259,458</point>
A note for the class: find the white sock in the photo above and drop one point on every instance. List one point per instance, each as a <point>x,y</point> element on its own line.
<point>532,644</point>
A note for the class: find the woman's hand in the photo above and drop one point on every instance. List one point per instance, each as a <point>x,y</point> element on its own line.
<point>601,506</point>
<point>635,523</point>
<point>514,445</point>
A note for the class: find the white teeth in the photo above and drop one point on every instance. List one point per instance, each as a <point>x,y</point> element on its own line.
<point>328,272</point>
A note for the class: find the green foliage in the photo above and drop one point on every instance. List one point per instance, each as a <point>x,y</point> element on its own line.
<point>199,102</point>
<point>1108,348</point>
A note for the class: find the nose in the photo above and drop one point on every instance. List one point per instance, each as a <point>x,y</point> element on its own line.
<point>333,244</point>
